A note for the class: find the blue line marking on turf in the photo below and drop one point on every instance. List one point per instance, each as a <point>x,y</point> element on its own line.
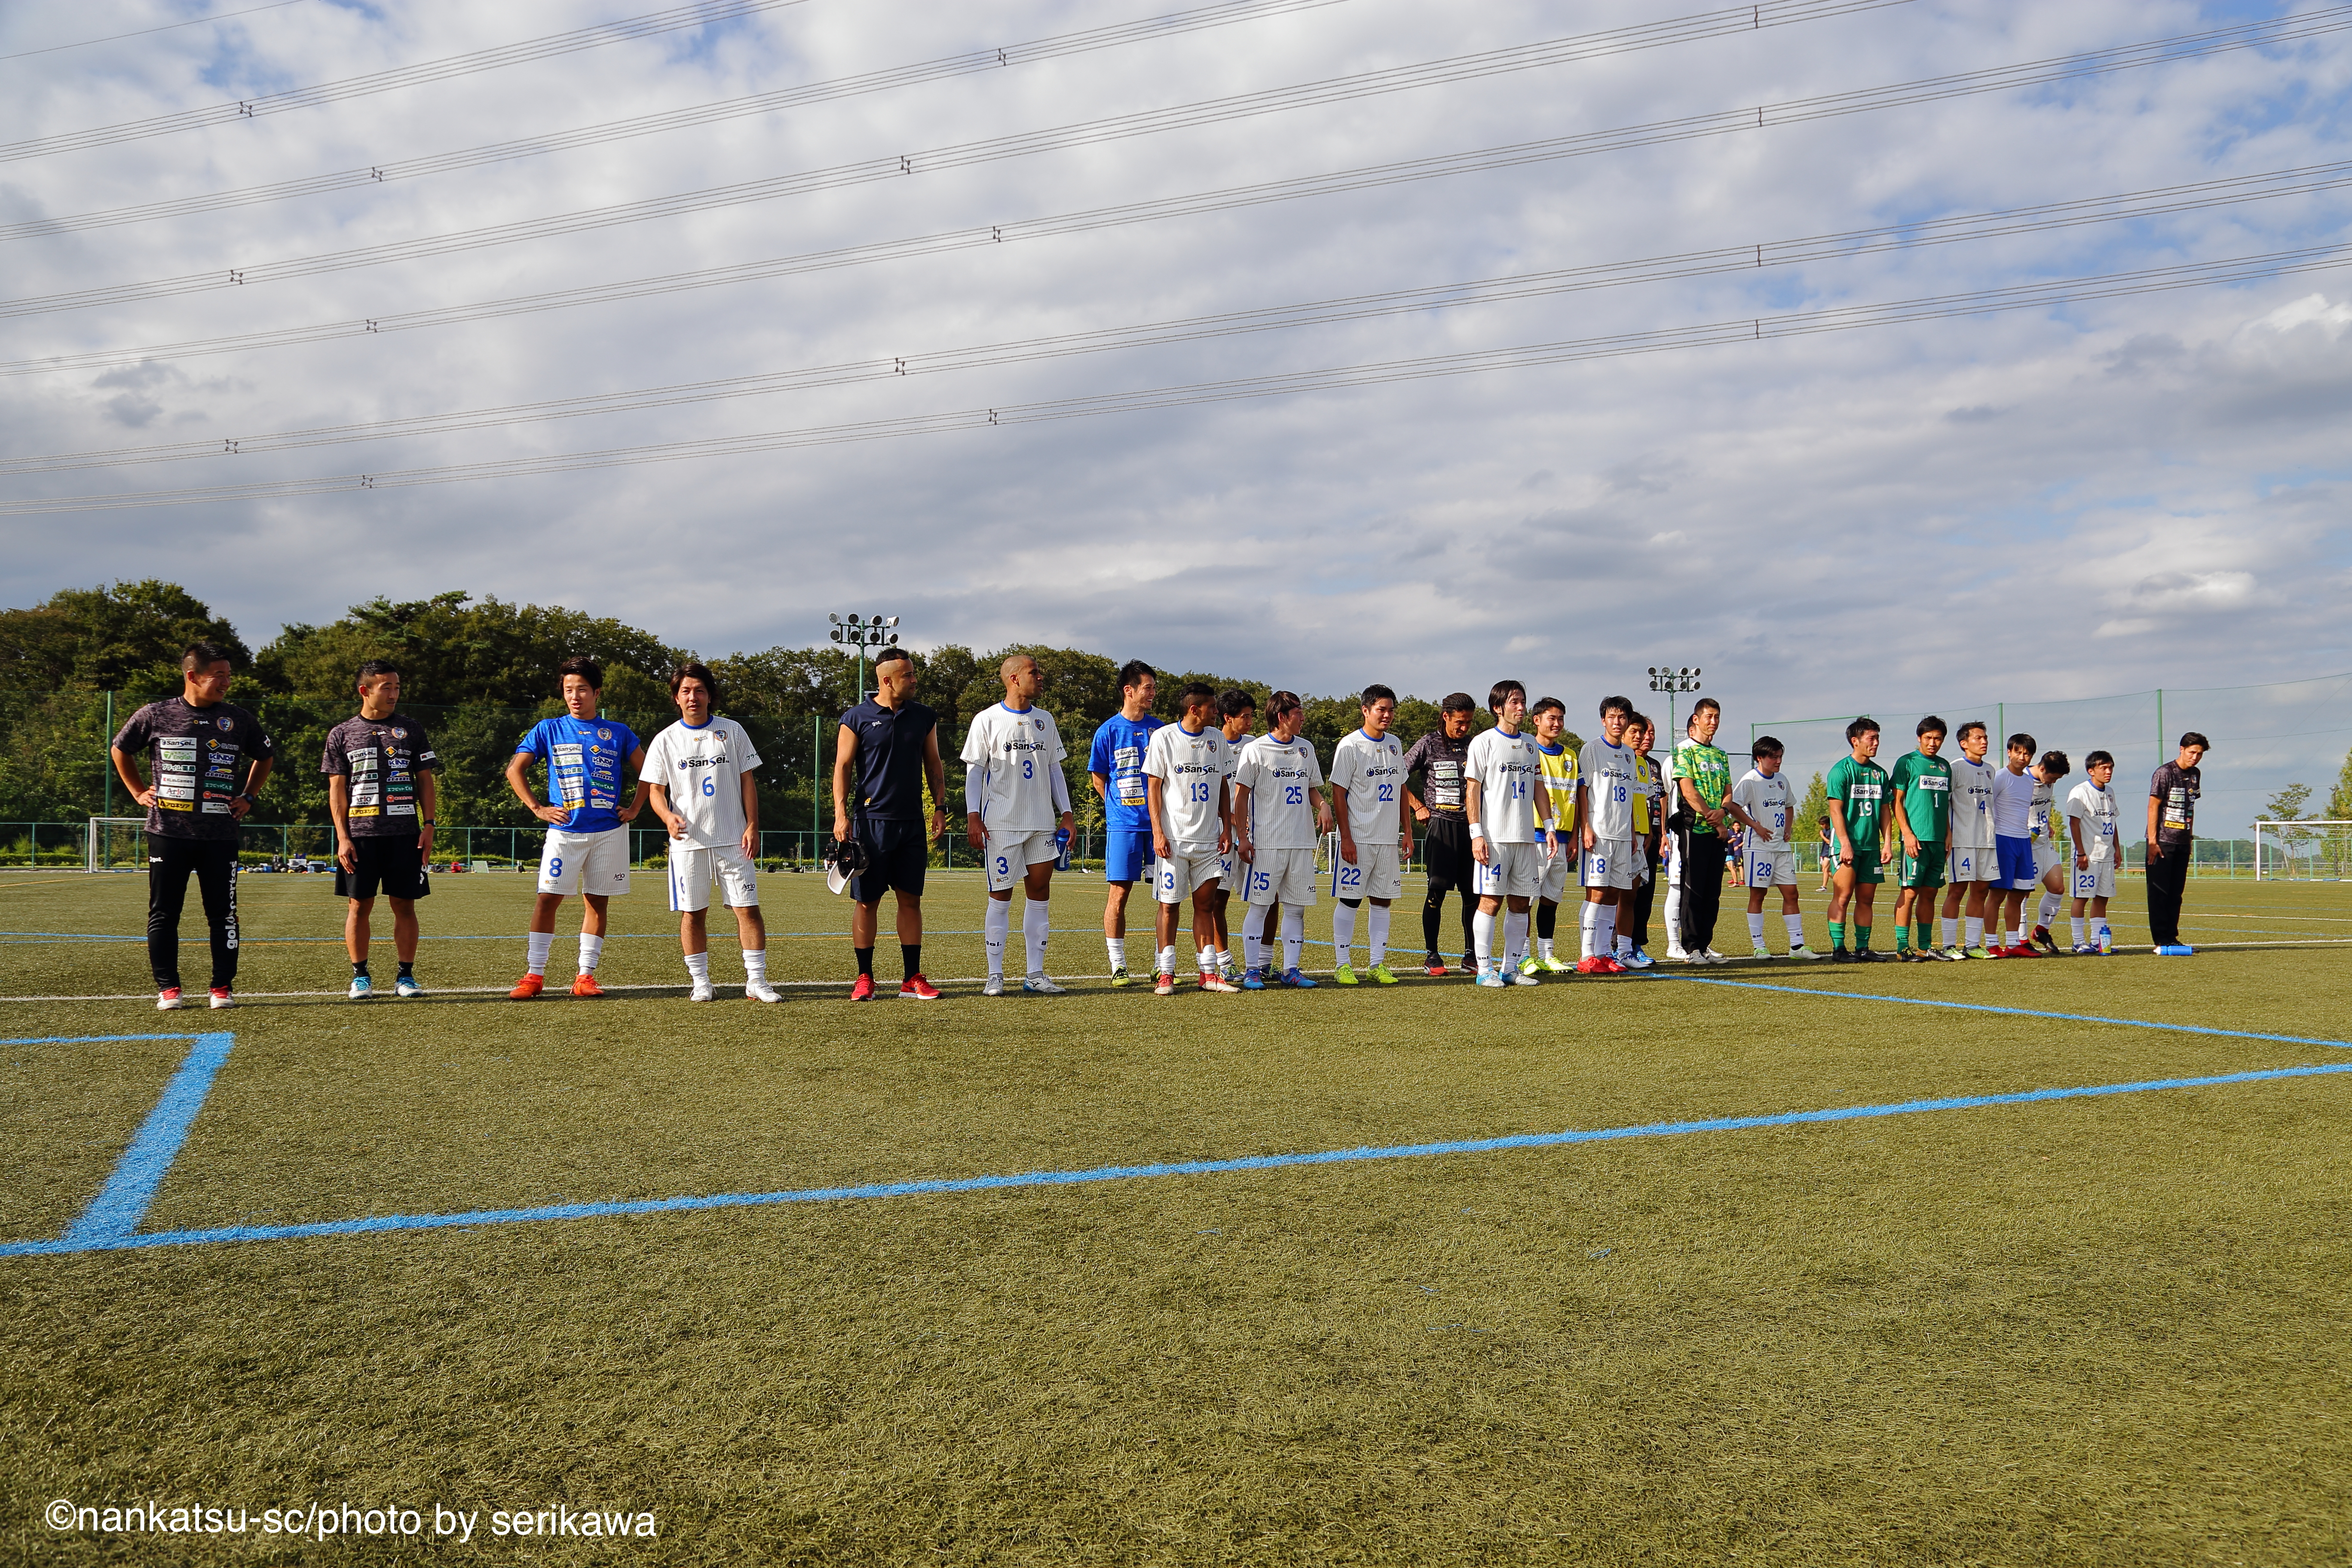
<point>2017,1012</point>
<point>87,1039</point>
<point>121,1240</point>
<point>122,1203</point>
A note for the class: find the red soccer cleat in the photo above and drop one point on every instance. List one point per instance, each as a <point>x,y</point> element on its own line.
<point>864,990</point>
<point>528,987</point>
<point>1593,965</point>
<point>1434,969</point>
<point>915,988</point>
<point>1610,966</point>
<point>585,985</point>
<point>2020,951</point>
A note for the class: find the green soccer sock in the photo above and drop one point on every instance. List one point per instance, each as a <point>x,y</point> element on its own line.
<point>1837,933</point>
<point>1901,939</point>
<point>1861,939</point>
<point>1927,936</point>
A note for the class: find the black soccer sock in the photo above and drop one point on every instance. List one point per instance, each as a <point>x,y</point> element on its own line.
<point>913,957</point>
<point>1547,920</point>
<point>408,969</point>
<point>865,962</point>
<point>359,970</point>
<point>1469,938</point>
<point>1432,909</point>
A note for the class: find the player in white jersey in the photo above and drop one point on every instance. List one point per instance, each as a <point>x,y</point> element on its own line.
<point>1607,782</point>
<point>2013,828</point>
<point>1280,810</point>
<point>1765,807</point>
<point>1511,834</point>
<point>2049,847</point>
<point>1375,835</point>
<point>2091,816</point>
<point>698,774</point>
<point>1975,861</point>
<point>1013,792</point>
<point>1186,775</point>
<point>1238,716</point>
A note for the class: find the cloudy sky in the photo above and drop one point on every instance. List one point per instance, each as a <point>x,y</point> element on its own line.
<point>2101,491</point>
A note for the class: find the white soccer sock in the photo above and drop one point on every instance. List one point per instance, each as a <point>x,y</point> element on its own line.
<point>996,927</point>
<point>1036,922</point>
<point>1796,924</point>
<point>1482,937</point>
<point>1588,918</point>
<point>1673,912</point>
<point>1376,936</point>
<point>697,964</point>
<point>1166,960</point>
<point>2017,937</point>
<point>1252,950</point>
<point>541,943</point>
<point>1116,947</point>
<point>1976,930</point>
<point>1604,928</point>
<point>1214,957</point>
<point>2077,923</point>
<point>1343,933</point>
<point>1952,932</point>
<point>755,965</point>
<point>1755,928</point>
<point>1625,941</point>
<point>1515,938</point>
<point>1294,936</point>
<point>2049,911</point>
<point>591,951</point>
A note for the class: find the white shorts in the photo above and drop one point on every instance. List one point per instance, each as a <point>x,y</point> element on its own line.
<point>2096,880</point>
<point>1769,865</point>
<point>1552,886</point>
<point>1282,876</point>
<point>1010,855</point>
<point>2048,857</point>
<point>1375,875</point>
<point>1229,874</point>
<point>1511,872</point>
<point>1177,875</point>
<point>1611,863</point>
<point>591,863</point>
<point>693,869</point>
<point>1972,865</point>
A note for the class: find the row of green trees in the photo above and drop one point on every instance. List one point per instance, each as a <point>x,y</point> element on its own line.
<point>478,672</point>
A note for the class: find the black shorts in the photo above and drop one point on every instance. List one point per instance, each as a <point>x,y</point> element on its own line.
<point>1447,852</point>
<point>898,854</point>
<point>387,863</point>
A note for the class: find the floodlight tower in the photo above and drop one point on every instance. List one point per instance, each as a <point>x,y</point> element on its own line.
<point>1671,680</point>
<point>874,631</point>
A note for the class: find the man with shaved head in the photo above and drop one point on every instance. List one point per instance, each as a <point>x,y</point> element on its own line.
<point>1013,791</point>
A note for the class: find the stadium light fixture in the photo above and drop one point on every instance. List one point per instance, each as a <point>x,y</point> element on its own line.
<point>862,632</point>
<point>1672,680</point>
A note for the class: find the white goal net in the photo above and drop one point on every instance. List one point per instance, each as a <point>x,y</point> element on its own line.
<point>2311,850</point>
<point>117,844</point>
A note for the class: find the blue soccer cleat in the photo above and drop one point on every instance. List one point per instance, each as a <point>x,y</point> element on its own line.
<point>1253,980</point>
<point>1295,981</point>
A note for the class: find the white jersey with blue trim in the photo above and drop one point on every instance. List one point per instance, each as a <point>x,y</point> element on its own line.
<point>703,772</point>
<point>1373,773</point>
<point>1278,775</point>
<point>1016,756</point>
<point>1508,769</point>
<point>1191,770</point>
<point>1765,798</point>
<point>1972,804</point>
<point>1611,782</point>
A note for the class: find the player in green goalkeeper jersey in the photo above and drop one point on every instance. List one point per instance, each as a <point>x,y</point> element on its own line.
<point>1923,814</point>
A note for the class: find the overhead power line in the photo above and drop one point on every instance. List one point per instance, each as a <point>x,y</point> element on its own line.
<point>983,236</point>
<point>392,171</point>
<point>142,32</point>
<point>1719,261</point>
<point>1732,121</point>
<point>653,24</point>
<point>899,166</point>
<point>1618,345</point>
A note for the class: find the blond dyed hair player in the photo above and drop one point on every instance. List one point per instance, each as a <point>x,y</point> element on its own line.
<point>1013,794</point>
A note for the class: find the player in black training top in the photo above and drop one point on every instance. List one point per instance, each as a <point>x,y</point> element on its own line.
<point>887,745</point>
<point>380,791</point>
<point>1438,758</point>
<point>209,758</point>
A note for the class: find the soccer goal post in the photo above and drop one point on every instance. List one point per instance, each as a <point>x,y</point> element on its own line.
<point>2311,849</point>
<point>117,843</point>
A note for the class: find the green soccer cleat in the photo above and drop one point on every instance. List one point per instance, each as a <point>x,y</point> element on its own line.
<point>1974,953</point>
<point>1528,964</point>
<point>1550,962</point>
<point>1343,975</point>
<point>1121,977</point>
<point>1382,976</point>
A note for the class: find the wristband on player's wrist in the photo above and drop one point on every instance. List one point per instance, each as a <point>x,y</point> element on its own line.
<point>1478,831</point>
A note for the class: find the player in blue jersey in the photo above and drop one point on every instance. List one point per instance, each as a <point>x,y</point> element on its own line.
<point>1115,765</point>
<point>589,760</point>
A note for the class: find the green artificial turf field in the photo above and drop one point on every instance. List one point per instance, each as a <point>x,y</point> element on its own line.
<point>2094,1328</point>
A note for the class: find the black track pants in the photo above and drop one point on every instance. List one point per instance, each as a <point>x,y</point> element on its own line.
<point>1702,889</point>
<point>168,861</point>
<point>2168,880</point>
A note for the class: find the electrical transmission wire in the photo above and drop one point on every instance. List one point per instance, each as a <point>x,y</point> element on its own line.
<point>142,32</point>
<point>971,63</point>
<point>1719,261</point>
<point>701,14</point>
<point>1619,346</point>
<point>2066,67</point>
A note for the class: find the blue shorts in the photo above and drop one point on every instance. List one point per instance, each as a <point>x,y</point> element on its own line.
<point>1126,855</point>
<point>2016,863</point>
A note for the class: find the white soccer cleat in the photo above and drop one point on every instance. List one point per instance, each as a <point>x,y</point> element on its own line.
<point>1494,977</point>
<point>1674,955</point>
<point>1712,956</point>
<point>1637,958</point>
<point>1805,953</point>
<point>168,1000</point>
<point>1761,952</point>
<point>995,987</point>
<point>701,992</point>
<point>1525,977</point>
<point>221,998</point>
<point>361,988</point>
<point>1038,985</point>
<point>759,991</point>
